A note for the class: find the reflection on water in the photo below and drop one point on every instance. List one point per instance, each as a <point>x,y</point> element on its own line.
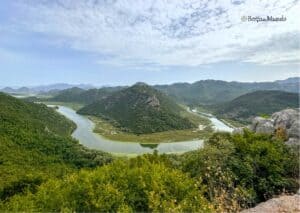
<point>84,133</point>
<point>150,145</point>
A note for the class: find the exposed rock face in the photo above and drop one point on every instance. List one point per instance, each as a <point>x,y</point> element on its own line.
<point>153,101</point>
<point>288,204</point>
<point>287,121</point>
<point>285,118</point>
<point>262,125</point>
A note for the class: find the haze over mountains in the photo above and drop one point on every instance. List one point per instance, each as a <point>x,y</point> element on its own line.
<point>176,89</point>
<point>44,88</point>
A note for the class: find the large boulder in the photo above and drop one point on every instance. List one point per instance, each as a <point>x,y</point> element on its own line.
<point>262,125</point>
<point>294,130</point>
<point>285,118</point>
<point>285,203</point>
<point>284,124</point>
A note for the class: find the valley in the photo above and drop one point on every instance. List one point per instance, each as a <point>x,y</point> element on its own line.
<point>121,139</point>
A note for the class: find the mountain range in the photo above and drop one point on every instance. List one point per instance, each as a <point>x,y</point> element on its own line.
<point>206,92</point>
<point>44,88</point>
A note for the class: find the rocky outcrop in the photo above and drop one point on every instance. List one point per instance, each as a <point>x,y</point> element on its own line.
<point>285,124</point>
<point>287,204</point>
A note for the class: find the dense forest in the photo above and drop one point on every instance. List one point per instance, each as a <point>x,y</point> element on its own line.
<point>35,145</point>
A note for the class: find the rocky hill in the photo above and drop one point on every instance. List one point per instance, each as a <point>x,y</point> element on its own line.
<point>139,109</point>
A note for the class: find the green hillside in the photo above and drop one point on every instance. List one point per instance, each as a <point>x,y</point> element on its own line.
<point>207,92</point>
<point>257,103</point>
<point>35,145</point>
<point>77,95</point>
<point>139,109</point>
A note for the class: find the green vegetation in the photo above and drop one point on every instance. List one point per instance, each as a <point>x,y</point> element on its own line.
<point>207,92</point>
<point>139,109</point>
<point>139,185</point>
<point>230,173</point>
<point>44,170</point>
<point>242,170</point>
<point>106,129</point>
<point>255,104</point>
<point>35,145</point>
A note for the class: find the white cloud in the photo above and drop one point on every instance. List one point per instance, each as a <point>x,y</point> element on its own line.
<point>168,32</point>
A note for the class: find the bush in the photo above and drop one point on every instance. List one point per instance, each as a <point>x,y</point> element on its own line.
<point>140,184</point>
<point>242,170</point>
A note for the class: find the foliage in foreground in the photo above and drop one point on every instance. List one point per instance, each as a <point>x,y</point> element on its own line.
<point>137,185</point>
<point>230,173</point>
<point>242,170</point>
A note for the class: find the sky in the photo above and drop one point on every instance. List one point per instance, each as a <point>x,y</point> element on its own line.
<point>120,42</point>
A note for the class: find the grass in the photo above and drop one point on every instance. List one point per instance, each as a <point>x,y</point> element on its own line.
<point>111,132</point>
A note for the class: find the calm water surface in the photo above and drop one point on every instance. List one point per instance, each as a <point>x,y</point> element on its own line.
<point>84,133</point>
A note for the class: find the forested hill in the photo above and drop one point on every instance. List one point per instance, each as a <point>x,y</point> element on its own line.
<point>257,103</point>
<point>214,91</point>
<point>78,95</point>
<point>35,145</point>
<point>140,109</point>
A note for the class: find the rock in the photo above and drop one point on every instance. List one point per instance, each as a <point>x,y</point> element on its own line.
<point>262,125</point>
<point>285,118</point>
<point>238,130</point>
<point>293,142</point>
<point>288,204</point>
<point>153,101</point>
<point>286,121</point>
<point>294,130</point>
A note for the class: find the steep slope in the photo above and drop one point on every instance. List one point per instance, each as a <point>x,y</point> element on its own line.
<point>84,96</point>
<point>257,103</point>
<point>139,109</point>
<point>35,145</point>
<point>212,91</point>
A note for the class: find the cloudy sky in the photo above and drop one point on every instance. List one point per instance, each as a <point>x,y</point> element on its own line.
<point>111,42</point>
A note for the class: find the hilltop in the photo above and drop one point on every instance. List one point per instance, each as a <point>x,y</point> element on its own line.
<point>258,103</point>
<point>139,109</point>
<point>78,95</point>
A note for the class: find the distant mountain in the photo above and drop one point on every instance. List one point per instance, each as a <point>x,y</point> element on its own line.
<point>61,86</point>
<point>8,90</point>
<point>212,91</point>
<point>257,103</point>
<point>289,81</point>
<point>44,89</point>
<point>78,95</point>
<point>139,109</point>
